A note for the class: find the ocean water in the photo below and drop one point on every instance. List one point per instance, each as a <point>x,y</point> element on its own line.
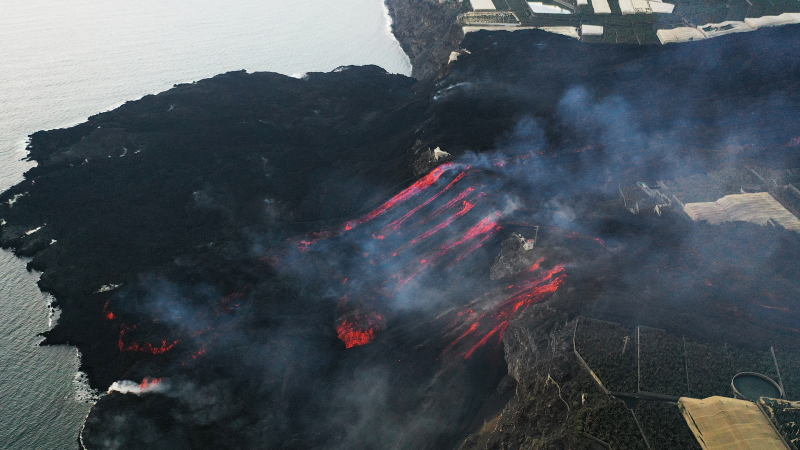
<point>61,62</point>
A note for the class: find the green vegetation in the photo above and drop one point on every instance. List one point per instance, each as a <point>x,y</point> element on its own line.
<point>641,28</point>
<point>612,423</point>
<point>709,370</point>
<point>700,12</point>
<point>664,426</point>
<point>786,417</point>
<point>662,366</point>
<point>603,346</point>
<point>747,361</point>
<point>789,363</point>
<point>493,17</point>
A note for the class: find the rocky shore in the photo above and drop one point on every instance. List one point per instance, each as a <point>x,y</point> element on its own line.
<point>428,32</point>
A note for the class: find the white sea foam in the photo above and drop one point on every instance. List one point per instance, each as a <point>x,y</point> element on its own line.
<point>83,391</point>
<point>53,312</point>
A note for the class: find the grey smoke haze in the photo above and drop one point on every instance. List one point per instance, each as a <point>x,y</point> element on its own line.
<point>273,371</point>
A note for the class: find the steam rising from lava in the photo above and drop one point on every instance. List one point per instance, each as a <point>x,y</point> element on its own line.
<point>395,257</point>
<point>147,386</point>
<point>391,309</point>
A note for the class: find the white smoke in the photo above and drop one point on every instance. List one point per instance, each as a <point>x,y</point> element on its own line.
<point>147,386</point>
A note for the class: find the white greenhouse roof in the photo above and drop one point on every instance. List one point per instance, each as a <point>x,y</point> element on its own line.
<point>566,31</point>
<point>773,21</point>
<point>661,7</point>
<point>541,8</point>
<point>601,7</point>
<point>680,34</point>
<point>482,4</point>
<point>591,30</point>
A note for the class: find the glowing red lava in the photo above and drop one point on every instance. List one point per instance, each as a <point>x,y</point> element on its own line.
<point>394,226</point>
<point>449,204</point>
<point>148,383</point>
<point>500,317</point>
<point>466,208</point>
<point>487,225</point>
<point>406,194</point>
<point>359,330</point>
<point>536,265</point>
<point>144,348</point>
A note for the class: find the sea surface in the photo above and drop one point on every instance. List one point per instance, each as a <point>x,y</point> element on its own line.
<point>61,62</point>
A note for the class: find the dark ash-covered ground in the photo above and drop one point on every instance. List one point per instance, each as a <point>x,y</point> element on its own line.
<point>250,219</point>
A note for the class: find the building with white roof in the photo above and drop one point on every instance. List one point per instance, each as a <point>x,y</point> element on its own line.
<point>601,7</point>
<point>773,21</point>
<point>591,30</point>
<point>679,34</point>
<point>482,4</point>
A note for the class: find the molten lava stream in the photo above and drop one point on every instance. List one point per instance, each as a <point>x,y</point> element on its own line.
<point>450,204</point>
<point>485,226</point>
<point>394,226</point>
<point>467,207</point>
<point>359,330</point>
<point>148,382</point>
<point>146,347</point>
<point>421,184</point>
<point>499,318</point>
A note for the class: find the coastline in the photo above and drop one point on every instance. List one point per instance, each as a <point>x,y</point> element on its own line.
<point>49,108</point>
<point>427,32</point>
<point>430,69</point>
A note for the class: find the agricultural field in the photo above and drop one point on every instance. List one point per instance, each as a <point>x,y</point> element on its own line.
<point>641,28</point>
<point>664,426</point>
<point>789,363</point>
<point>700,12</point>
<point>709,370</point>
<point>612,423</point>
<point>602,345</point>
<point>747,361</point>
<point>662,366</point>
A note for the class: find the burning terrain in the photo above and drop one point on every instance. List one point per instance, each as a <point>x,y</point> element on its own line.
<point>307,274</point>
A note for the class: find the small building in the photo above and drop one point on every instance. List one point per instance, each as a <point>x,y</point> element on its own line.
<point>759,208</point>
<point>773,21</point>
<point>679,34</point>
<point>591,30</point>
<point>661,7</point>
<point>601,7</point>
<point>542,8</point>
<point>482,5</point>
<point>645,7</point>
<point>564,31</point>
<point>731,424</point>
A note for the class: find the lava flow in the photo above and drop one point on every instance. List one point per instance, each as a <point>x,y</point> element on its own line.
<point>359,330</point>
<point>394,226</point>
<point>498,319</point>
<point>146,347</point>
<point>146,386</point>
<point>428,228</point>
<point>406,194</point>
